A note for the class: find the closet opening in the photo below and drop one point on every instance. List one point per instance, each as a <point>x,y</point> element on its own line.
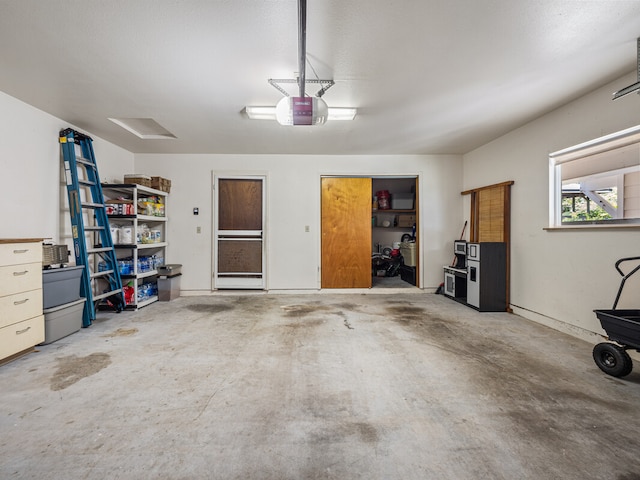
<point>394,232</point>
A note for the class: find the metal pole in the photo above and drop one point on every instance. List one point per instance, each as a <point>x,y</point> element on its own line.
<point>638,59</point>
<point>302,44</point>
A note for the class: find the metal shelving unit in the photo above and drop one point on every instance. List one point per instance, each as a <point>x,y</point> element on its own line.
<point>135,247</point>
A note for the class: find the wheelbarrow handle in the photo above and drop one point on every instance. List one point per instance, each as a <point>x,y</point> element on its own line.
<point>622,260</point>
<point>624,276</point>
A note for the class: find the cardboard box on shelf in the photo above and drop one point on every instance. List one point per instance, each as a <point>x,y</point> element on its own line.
<point>405,220</point>
<point>162,184</point>
<point>138,179</point>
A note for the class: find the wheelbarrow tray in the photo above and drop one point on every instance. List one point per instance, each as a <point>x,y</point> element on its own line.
<point>622,326</point>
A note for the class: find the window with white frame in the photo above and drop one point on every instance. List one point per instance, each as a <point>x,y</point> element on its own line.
<point>597,182</point>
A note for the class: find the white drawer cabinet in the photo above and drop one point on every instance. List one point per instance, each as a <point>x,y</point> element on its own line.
<point>20,306</point>
<point>21,318</point>
<point>20,278</point>
<point>19,253</point>
<point>21,336</point>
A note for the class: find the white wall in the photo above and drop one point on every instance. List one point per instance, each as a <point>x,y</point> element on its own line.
<point>32,191</point>
<point>293,201</point>
<point>558,277</point>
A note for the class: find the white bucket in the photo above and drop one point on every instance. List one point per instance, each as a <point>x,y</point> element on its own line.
<point>115,234</point>
<point>126,234</point>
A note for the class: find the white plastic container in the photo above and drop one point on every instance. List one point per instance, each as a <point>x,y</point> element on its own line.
<point>126,234</point>
<point>115,234</point>
<point>402,201</point>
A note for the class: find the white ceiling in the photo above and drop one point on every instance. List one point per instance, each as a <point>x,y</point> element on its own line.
<point>427,76</point>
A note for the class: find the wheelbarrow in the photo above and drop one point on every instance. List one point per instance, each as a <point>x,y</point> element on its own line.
<point>622,327</point>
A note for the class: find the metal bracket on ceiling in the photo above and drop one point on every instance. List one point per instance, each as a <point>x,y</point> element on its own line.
<point>636,86</point>
<point>302,80</point>
<point>325,84</point>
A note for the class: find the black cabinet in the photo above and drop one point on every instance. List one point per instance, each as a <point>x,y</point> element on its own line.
<point>487,276</point>
<point>408,274</point>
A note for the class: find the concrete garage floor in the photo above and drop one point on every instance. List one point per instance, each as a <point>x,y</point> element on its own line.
<point>335,386</point>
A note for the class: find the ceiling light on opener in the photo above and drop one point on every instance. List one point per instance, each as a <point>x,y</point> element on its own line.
<point>301,109</point>
<point>269,113</point>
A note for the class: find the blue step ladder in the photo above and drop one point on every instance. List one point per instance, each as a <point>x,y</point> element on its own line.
<point>92,243</point>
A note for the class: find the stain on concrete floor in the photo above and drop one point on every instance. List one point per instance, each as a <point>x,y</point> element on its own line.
<point>406,312</point>
<point>122,332</point>
<point>72,369</point>
<point>367,432</point>
<point>419,389</point>
<point>302,310</point>
<point>348,306</point>
<point>629,476</point>
<point>248,304</point>
<point>316,322</point>
<point>335,432</point>
<point>210,308</point>
<point>525,382</point>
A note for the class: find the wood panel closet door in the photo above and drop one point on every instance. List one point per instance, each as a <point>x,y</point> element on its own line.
<point>346,232</point>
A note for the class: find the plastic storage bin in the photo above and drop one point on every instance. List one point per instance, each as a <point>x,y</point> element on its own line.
<point>62,320</point>
<point>169,288</point>
<point>408,252</point>
<point>60,286</point>
<point>402,201</point>
<point>170,270</point>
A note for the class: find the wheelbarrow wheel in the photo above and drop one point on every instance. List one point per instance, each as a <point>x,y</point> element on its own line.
<point>612,359</point>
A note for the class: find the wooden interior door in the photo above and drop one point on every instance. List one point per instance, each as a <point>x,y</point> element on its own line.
<point>239,230</point>
<point>346,232</point>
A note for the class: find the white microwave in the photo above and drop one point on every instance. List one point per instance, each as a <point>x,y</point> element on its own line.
<point>460,247</point>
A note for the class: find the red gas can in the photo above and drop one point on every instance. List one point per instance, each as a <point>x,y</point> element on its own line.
<point>384,202</point>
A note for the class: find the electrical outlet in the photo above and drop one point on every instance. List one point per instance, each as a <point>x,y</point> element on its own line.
<point>198,229</point>
<point>306,228</point>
